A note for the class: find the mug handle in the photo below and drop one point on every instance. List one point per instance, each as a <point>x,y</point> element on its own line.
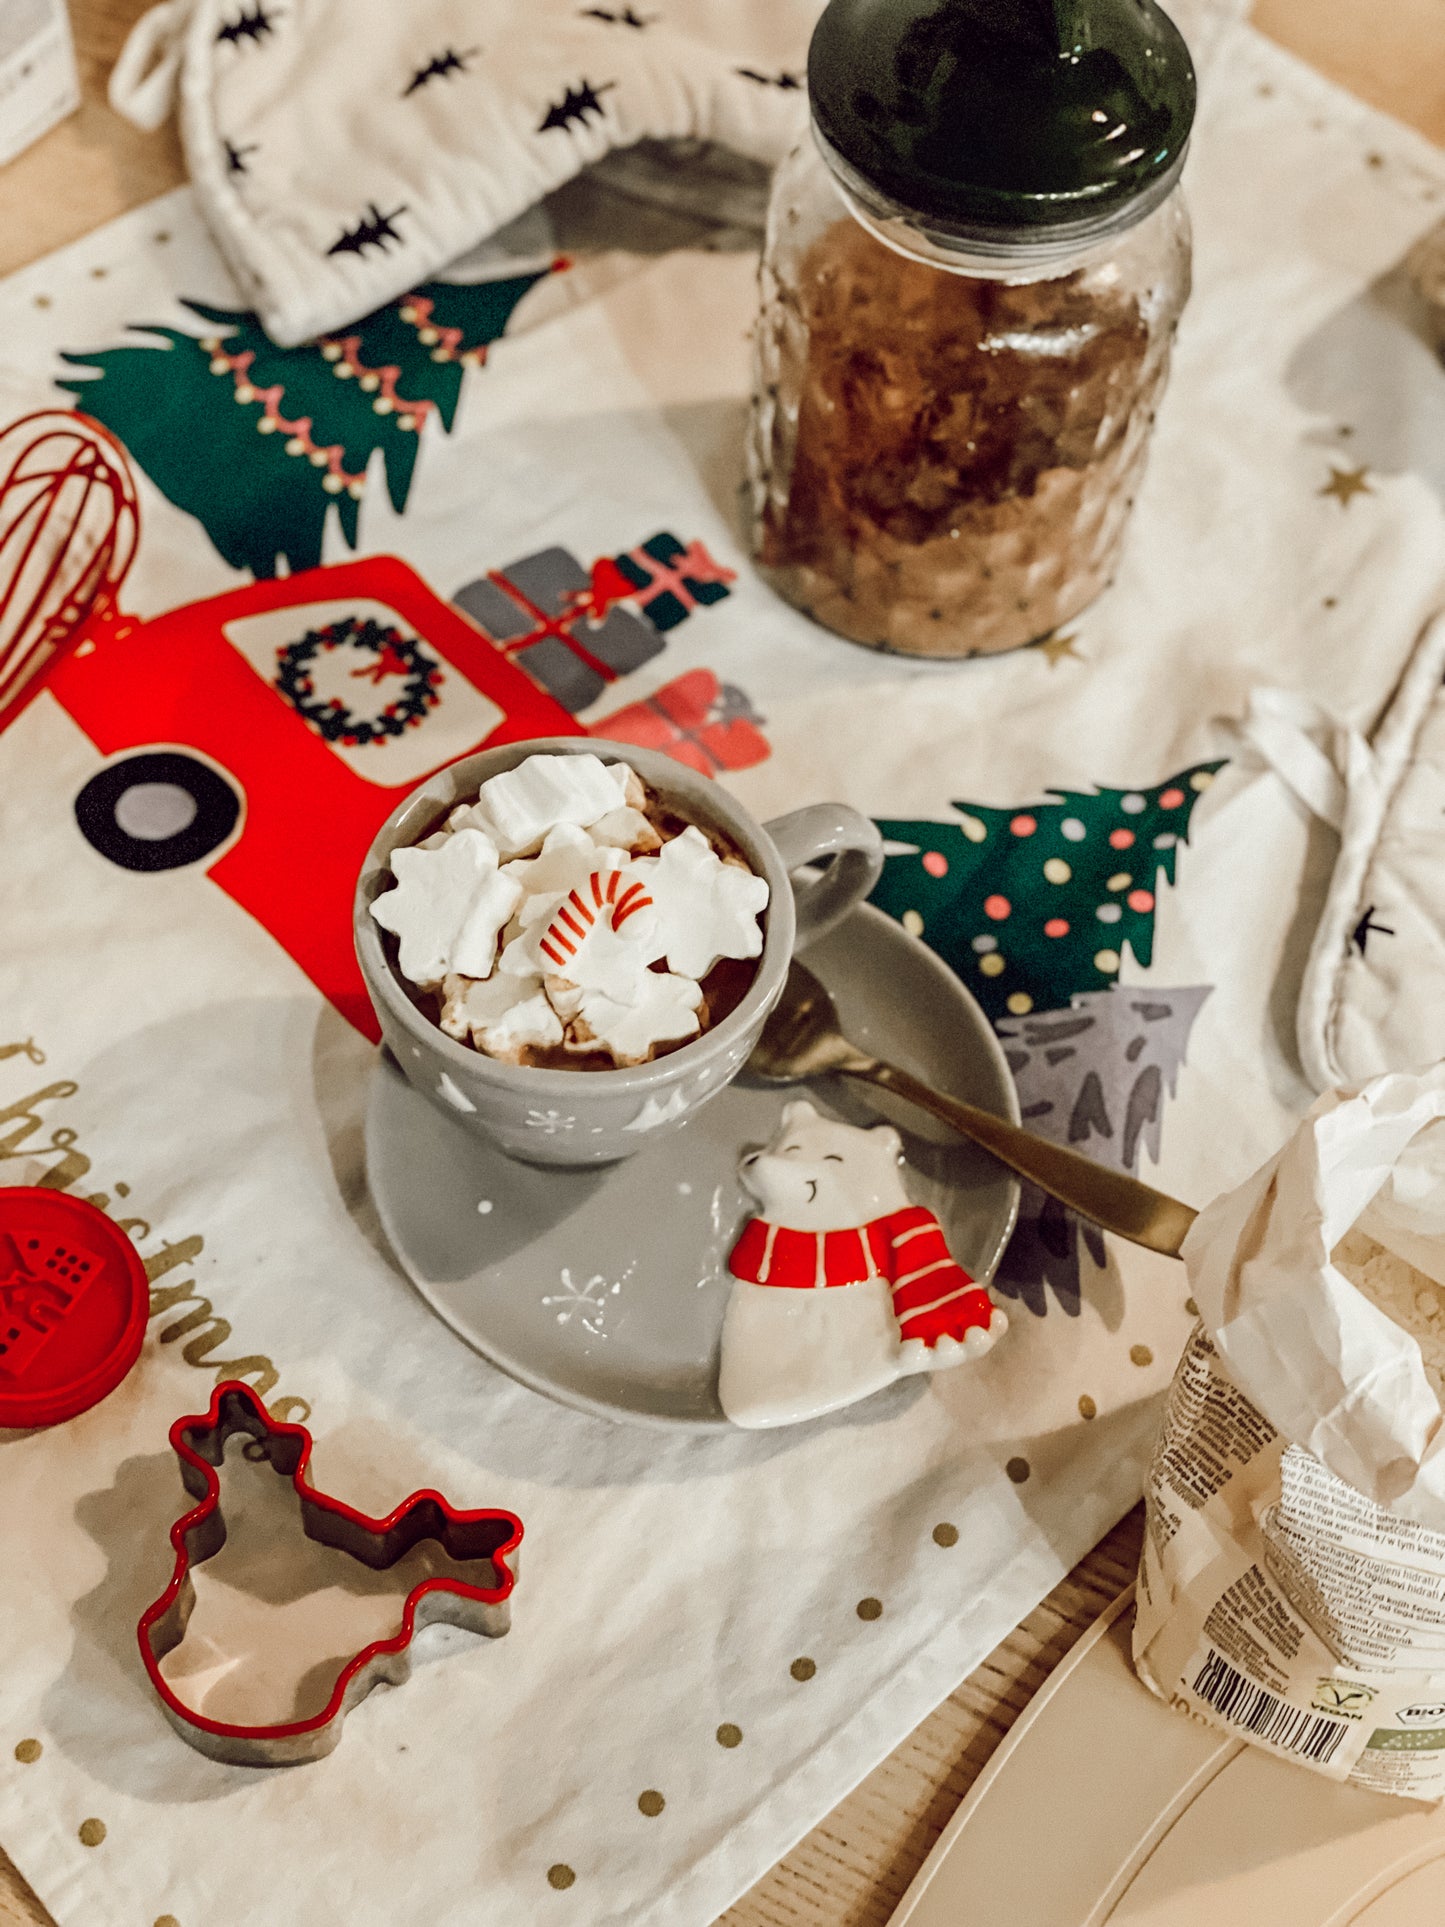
<point>856,846</point>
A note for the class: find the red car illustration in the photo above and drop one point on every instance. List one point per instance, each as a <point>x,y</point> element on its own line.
<point>270,731</point>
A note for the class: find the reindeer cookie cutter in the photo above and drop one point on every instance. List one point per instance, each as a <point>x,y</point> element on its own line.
<point>488,1537</point>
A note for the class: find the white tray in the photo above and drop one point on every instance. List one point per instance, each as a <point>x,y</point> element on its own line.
<point>1102,1806</point>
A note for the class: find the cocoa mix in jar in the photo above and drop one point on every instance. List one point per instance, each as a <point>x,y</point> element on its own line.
<point>964,452</point>
<point>971,280</point>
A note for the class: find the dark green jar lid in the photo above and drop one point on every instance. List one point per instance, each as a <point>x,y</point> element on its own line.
<point>999,120</point>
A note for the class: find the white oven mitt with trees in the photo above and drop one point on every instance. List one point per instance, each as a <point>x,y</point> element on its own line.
<point>346,150</point>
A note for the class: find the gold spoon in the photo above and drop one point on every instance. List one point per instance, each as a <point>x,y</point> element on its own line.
<point>804,1038</point>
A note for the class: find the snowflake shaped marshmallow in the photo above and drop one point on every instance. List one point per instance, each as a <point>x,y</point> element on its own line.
<point>626,829</point>
<point>706,909</point>
<point>447,907</point>
<point>519,807</point>
<point>502,1015</point>
<point>665,1011</point>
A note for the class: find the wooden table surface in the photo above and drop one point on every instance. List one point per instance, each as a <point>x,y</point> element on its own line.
<point>851,1870</point>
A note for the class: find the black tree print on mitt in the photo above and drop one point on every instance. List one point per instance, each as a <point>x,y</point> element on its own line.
<point>236,156</point>
<point>788,83</point>
<point>251,23</point>
<point>373,230</point>
<point>619,16</point>
<point>576,104</point>
<point>448,61</point>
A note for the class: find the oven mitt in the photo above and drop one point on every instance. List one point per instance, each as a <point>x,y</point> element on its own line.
<point>346,150</point>
<point>1373,993</point>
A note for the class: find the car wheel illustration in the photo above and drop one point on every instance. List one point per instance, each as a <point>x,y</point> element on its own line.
<point>158,809</point>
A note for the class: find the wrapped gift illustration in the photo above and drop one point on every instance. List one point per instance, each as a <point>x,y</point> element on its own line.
<point>561,624</point>
<point>577,631</point>
<point>707,724</point>
<point>670,581</point>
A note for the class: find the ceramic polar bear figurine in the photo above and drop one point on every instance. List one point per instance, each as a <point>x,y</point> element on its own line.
<point>841,1284</point>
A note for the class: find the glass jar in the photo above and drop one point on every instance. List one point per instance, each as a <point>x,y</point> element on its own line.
<point>959,360</point>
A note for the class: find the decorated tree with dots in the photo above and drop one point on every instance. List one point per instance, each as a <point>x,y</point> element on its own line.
<point>1034,905</point>
<point>264,445</point>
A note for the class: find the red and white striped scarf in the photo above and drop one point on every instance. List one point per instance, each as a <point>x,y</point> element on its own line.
<point>932,1293</point>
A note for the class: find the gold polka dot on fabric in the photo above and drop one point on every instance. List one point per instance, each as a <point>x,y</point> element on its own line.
<point>945,1534</point>
<point>992,965</point>
<point>912,923</point>
<point>1191,1307</point>
<point>99,274</point>
<point>92,1832</point>
<point>1140,1355</point>
<point>42,300</point>
<point>1020,1003</point>
<point>804,1668</point>
<point>28,1752</point>
<point>870,1609</point>
<point>1018,1470</point>
<point>561,1876</point>
<point>651,1803</point>
<point>1087,1407</point>
<point>729,1735</point>
<point>166,1920</point>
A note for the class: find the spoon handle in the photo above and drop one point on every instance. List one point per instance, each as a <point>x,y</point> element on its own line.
<point>1112,1199</point>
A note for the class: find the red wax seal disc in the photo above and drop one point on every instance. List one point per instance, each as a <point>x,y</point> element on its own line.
<point>73,1306</point>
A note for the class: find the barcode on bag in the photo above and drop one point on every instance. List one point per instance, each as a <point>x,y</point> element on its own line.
<point>1264,1715</point>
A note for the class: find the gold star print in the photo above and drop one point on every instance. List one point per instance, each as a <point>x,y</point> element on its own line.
<point>1059,645</point>
<point>1345,483</point>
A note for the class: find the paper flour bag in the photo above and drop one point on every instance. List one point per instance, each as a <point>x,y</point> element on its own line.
<point>1292,1584</point>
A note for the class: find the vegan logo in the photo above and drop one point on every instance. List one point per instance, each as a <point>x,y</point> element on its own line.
<point>1346,1698</point>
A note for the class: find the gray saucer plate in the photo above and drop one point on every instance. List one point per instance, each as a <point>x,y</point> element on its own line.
<point>605,1289</point>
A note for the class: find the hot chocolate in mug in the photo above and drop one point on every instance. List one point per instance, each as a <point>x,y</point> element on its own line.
<point>582,1117</point>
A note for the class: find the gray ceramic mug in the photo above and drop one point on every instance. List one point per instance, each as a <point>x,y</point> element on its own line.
<point>597,1117</point>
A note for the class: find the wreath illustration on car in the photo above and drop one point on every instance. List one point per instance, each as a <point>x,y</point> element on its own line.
<point>394,654</point>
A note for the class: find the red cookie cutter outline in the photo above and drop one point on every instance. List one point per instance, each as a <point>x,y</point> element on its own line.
<point>199,1442</point>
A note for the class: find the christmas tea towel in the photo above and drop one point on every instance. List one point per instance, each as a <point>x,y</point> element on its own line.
<point>714,1637</point>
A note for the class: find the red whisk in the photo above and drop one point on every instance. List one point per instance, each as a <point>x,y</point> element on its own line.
<point>69,526</point>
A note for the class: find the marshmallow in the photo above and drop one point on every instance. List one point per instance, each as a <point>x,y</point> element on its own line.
<point>626,829</point>
<point>502,1015</point>
<point>567,859</point>
<point>542,917</point>
<point>706,909</point>
<point>666,1010</point>
<point>521,805</point>
<point>470,816</point>
<point>447,908</point>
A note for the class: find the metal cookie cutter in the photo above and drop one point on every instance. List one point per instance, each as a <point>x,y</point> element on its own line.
<point>199,1441</point>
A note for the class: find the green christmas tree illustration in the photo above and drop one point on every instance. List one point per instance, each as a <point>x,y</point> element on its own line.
<point>1036,904</point>
<point>261,443</point>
